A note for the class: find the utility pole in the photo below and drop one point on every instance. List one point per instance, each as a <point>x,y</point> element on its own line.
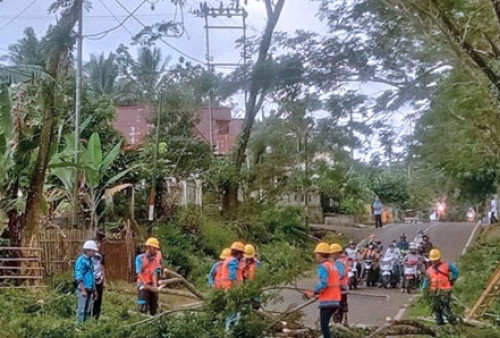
<point>152,195</point>
<point>78,105</point>
<point>207,13</point>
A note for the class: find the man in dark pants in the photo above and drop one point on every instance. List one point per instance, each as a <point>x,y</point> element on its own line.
<point>377,212</point>
<point>328,288</point>
<point>148,268</point>
<point>98,261</point>
<point>440,283</point>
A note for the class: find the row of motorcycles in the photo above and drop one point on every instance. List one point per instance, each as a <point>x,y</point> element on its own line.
<point>389,272</point>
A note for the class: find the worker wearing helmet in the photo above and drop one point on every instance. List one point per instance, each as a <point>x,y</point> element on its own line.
<point>232,270</point>
<point>340,261</point>
<point>439,282</point>
<point>147,268</point>
<point>328,288</point>
<point>251,263</point>
<point>84,281</point>
<point>214,277</point>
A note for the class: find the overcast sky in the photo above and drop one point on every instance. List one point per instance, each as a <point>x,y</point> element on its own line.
<point>16,15</point>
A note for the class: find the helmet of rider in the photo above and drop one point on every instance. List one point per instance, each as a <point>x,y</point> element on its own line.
<point>351,242</point>
<point>413,247</point>
<point>403,235</point>
<point>392,245</point>
<point>425,236</point>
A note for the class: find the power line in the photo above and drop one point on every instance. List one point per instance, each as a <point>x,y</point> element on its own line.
<point>18,15</point>
<point>120,24</point>
<point>161,39</point>
<point>114,16</point>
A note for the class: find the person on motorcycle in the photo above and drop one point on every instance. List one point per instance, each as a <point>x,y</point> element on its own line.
<point>426,245</point>
<point>403,244</point>
<point>471,215</point>
<point>392,254</point>
<point>373,240</point>
<point>414,256</point>
<point>440,283</point>
<point>351,250</point>
<point>493,210</point>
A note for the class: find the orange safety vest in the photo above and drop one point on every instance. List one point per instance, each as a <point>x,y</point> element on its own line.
<point>249,270</point>
<point>218,275</point>
<point>149,266</point>
<point>332,292</point>
<point>440,279</point>
<point>344,281</point>
<point>225,281</point>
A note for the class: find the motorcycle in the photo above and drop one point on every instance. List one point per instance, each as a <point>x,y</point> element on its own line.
<point>471,217</point>
<point>389,273</point>
<point>369,273</point>
<point>352,274</point>
<point>410,275</point>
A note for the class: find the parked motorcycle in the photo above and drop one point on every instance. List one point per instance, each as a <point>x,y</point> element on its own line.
<point>369,273</point>
<point>411,275</point>
<point>389,274</point>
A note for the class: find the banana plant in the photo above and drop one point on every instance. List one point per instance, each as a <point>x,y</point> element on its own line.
<point>95,184</point>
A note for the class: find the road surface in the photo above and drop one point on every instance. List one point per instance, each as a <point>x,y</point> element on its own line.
<point>449,237</point>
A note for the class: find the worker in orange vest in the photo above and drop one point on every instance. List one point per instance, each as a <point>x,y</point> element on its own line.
<point>340,261</point>
<point>147,268</point>
<point>214,277</point>
<point>328,288</point>
<point>251,263</point>
<point>231,269</point>
<point>439,282</point>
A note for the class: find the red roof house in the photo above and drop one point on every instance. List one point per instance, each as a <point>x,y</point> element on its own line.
<point>134,123</point>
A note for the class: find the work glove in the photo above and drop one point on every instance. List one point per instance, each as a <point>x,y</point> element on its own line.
<point>308,294</point>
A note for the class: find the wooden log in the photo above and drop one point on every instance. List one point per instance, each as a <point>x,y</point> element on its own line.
<point>19,248</point>
<point>20,277</point>
<point>188,285</point>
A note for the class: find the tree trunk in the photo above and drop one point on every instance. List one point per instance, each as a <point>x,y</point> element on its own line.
<point>14,217</point>
<point>254,99</point>
<point>57,62</point>
<point>496,8</point>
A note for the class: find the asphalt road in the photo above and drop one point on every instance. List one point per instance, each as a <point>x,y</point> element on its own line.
<point>449,237</point>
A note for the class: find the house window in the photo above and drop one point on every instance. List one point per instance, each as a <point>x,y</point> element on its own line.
<point>222,127</point>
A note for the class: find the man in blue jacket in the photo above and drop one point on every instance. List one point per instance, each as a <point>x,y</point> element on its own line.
<point>85,283</point>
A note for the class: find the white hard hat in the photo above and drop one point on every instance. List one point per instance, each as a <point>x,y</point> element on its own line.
<point>90,245</point>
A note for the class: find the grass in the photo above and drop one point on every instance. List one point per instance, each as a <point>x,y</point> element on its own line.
<point>476,267</point>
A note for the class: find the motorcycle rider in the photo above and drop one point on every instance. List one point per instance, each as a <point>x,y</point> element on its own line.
<point>426,245</point>
<point>471,215</point>
<point>351,250</point>
<point>403,244</point>
<point>493,210</point>
<point>413,255</point>
<point>392,254</point>
<point>440,282</point>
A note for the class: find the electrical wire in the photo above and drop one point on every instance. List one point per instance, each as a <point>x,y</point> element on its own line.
<point>114,16</point>
<point>18,15</point>
<point>102,34</point>
<point>161,39</point>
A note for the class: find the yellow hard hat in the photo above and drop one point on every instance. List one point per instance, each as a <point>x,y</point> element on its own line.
<point>153,242</point>
<point>249,251</point>
<point>335,248</point>
<point>322,248</point>
<point>238,246</point>
<point>435,255</point>
<point>225,253</point>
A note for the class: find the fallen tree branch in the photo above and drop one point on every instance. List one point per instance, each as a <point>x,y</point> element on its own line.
<point>165,313</point>
<point>403,327</point>
<point>165,282</point>
<point>301,290</point>
<point>184,281</point>
<point>289,312</point>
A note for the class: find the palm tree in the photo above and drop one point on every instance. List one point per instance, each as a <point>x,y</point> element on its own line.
<point>143,77</point>
<point>27,51</point>
<point>102,73</point>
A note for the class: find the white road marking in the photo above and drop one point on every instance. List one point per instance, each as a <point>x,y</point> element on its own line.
<point>471,237</point>
<point>400,313</point>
